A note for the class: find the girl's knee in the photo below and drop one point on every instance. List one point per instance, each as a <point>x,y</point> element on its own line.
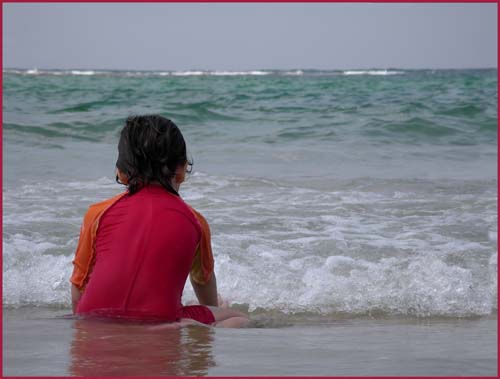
<point>221,314</point>
<point>233,322</point>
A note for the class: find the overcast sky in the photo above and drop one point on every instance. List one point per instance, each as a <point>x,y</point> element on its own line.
<point>249,36</point>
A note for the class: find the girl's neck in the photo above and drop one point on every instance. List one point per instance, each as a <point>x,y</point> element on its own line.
<point>173,183</point>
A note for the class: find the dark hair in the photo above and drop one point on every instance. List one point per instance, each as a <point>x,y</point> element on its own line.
<point>150,149</point>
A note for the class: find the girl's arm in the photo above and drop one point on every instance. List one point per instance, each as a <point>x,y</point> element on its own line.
<point>206,293</point>
<point>75,296</point>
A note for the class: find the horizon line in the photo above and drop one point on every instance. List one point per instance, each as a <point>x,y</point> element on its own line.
<point>255,69</point>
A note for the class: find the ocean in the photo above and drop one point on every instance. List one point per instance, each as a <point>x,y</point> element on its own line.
<point>331,195</point>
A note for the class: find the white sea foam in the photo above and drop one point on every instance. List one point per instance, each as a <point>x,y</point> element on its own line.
<point>218,73</point>
<point>372,72</point>
<point>148,73</point>
<point>292,73</point>
<point>36,71</point>
<point>12,71</point>
<point>493,235</point>
<point>187,73</point>
<point>86,73</point>
<point>238,73</point>
<point>278,246</point>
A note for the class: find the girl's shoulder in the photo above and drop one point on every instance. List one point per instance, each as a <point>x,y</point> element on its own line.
<point>96,209</point>
<point>202,220</point>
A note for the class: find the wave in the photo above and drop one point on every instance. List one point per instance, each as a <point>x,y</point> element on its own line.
<point>465,110</point>
<point>410,130</point>
<point>358,249</point>
<point>37,72</point>
<point>372,72</point>
<point>86,73</point>
<point>40,72</point>
<point>260,72</point>
<point>54,131</point>
<point>238,73</point>
<point>187,73</point>
<point>298,72</point>
<point>292,73</point>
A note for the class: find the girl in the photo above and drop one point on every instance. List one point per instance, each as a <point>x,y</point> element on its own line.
<point>137,248</point>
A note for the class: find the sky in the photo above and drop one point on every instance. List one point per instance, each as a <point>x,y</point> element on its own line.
<point>248,36</point>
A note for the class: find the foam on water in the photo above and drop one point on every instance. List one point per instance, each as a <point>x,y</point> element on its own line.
<point>238,73</point>
<point>296,72</point>
<point>86,73</point>
<point>357,247</point>
<point>77,72</point>
<point>187,73</point>
<point>36,71</point>
<point>372,72</point>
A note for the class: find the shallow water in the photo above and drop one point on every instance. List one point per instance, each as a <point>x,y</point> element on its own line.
<point>37,343</point>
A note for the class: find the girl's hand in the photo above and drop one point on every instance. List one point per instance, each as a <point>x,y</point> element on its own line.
<point>221,302</point>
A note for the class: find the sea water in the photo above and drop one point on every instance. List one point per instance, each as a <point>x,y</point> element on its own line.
<point>330,194</point>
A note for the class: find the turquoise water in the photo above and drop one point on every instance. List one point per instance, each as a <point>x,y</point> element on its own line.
<point>328,192</point>
<point>336,124</point>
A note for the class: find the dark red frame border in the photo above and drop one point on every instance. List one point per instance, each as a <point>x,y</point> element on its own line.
<point>224,1</point>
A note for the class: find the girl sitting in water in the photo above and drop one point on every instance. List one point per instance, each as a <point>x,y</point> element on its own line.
<point>137,248</point>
